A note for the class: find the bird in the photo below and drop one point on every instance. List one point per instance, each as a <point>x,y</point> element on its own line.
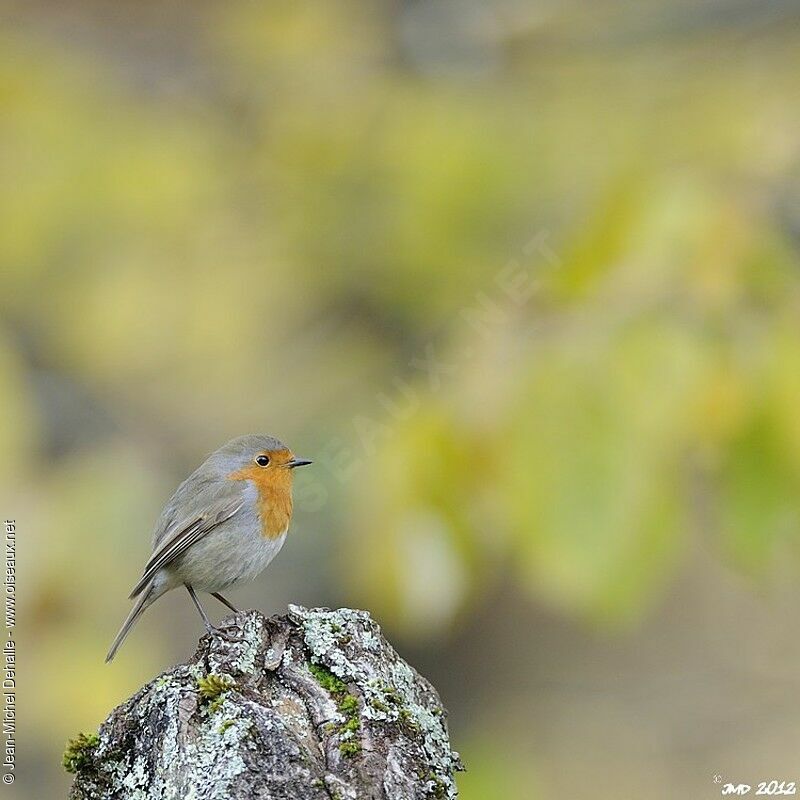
<point>222,526</point>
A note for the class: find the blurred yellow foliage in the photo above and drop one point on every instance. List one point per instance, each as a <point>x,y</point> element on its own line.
<point>524,282</point>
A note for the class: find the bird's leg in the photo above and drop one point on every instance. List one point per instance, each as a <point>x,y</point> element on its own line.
<point>209,627</point>
<point>212,630</point>
<point>224,602</point>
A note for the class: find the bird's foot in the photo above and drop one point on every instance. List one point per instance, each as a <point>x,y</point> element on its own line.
<point>221,632</point>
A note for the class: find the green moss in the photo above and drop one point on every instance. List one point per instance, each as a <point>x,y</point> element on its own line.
<point>350,748</point>
<point>405,717</point>
<point>225,725</point>
<point>346,704</point>
<point>327,680</point>
<point>78,751</point>
<point>352,725</point>
<point>439,788</point>
<point>391,694</point>
<point>213,688</point>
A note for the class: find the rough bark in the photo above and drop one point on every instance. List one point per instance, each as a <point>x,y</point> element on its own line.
<point>314,705</point>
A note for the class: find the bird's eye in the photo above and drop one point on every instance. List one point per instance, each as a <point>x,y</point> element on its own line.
<point>262,461</point>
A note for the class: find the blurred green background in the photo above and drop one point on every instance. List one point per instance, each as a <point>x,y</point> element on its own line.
<point>522,277</point>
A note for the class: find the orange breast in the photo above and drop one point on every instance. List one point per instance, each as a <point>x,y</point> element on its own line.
<point>274,497</point>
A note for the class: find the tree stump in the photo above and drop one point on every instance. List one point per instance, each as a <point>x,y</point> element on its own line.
<point>313,705</point>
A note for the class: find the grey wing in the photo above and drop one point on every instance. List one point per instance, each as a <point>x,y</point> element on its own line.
<point>176,539</point>
<point>194,496</point>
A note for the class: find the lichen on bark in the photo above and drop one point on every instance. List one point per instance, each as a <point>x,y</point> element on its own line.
<point>312,705</point>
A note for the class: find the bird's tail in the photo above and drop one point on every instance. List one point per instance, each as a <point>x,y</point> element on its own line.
<point>150,594</point>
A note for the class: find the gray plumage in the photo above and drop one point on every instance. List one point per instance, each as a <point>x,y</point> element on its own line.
<point>209,535</point>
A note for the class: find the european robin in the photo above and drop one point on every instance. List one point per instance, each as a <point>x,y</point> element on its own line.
<point>223,525</point>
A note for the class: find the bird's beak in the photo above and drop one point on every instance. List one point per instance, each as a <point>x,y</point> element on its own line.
<point>298,462</point>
